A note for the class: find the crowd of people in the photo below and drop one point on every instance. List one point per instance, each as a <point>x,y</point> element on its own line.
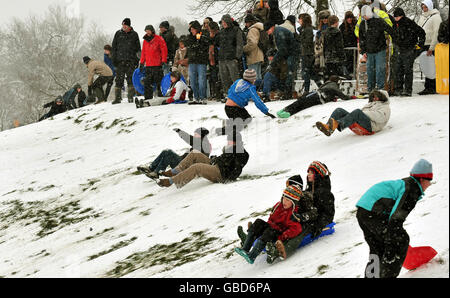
<point>249,64</point>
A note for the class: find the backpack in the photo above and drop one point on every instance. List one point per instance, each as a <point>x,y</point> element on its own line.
<point>264,42</point>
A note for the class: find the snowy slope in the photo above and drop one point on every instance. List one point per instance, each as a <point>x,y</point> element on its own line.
<point>72,204</point>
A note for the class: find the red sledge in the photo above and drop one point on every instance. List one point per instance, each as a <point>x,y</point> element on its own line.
<point>359,130</point>
<point>417,256</point>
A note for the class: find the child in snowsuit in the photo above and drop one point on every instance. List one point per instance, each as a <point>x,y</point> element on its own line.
<point>69,97</point>
<point>372,118</point>
<point>217,169</point>
<point>381,213</point>
<point>198,142</point>
<point>56,107</point>
<point>177,93</point>
<point>281,226</point>
<point>327,92</point>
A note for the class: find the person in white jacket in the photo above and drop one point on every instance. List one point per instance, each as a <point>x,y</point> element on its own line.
<point>372,118</point>
<point>430,21</point>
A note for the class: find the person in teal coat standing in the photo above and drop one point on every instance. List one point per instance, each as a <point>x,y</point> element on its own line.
<point>381,213</point>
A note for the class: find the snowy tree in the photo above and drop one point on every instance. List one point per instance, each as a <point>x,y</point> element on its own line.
<point>180,24</point>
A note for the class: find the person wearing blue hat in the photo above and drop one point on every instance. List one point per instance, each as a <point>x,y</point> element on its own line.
<point>382,210</point>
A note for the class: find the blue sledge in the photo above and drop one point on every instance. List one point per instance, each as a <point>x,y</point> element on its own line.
<point>138,82</point>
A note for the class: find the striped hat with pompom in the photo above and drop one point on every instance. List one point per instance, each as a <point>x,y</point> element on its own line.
<point>319,169</point>
<point>292,193</point>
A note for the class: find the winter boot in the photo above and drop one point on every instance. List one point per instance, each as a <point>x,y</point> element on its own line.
<point>131,93</point>
<point>256,250</point>
<point>137,103</point>
<point>244,254</point>
<point>280,248</point>
<point>242,235</point>
<point>167,174</point>
<point>328,128</point>
<point>164,183</point>
<point>118,95</point>
<point>144,169</point>
<point>158,88</point>
<point>272,253</point>
<point>283,114</point>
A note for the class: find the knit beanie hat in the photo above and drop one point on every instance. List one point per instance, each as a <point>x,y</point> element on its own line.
<point>324,14</point>
<point>249,18</point>
<point>86,59</point>
<point>292,19</point>
<point>319,169</point>
<point>268,24</point>
<point>165,24</point>
<point>292,193</point>
<point>214,26</point>
<point>250,75</point>
<point>429,4</point>
<point>196,25</point>
<point>151,28</point>
<point>399,12</point>
<point>203,132</point>
<point>127,22</point>
<point>422,169</point>
<point>295,181</point>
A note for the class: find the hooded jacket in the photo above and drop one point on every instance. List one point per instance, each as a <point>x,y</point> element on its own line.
<point>371,33</point>
<point>430,22</point>
<point>379,112</point>
<point>231,162</point>
<point>275,13</point>
<point>154,51</point>
<point>242,91</point>
<point>230,41</point>
<point>407,34</point>
<point>252,51</point>
<point>282,220</point>
<point>323,200</point>
<point>333,46</point>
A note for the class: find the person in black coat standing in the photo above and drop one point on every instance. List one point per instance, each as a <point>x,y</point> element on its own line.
<point>275,14</point>
<point>350,41</point>
<point>333,48</point>
<point>407,35</point>
<point>126,48</point>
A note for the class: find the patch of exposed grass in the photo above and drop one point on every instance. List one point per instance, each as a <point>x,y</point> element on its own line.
<point>168,256</point>
<point>322,269</point>
<point>115,247</point>
<point>255,177</point>
<point>98,234</point>
<point>258,214</point>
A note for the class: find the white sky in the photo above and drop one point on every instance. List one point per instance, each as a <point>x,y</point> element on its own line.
<point>107,13</point>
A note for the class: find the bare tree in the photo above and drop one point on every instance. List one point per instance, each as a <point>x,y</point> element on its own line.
<point>180,24</point>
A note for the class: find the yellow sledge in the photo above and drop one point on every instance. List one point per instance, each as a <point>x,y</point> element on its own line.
<point>441,59</point>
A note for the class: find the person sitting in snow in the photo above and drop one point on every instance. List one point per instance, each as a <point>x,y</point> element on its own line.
<point>281,226</point>
<point>372,118</point>
<point>239,95</point>
<point>56,107</point>
<point>218,169</point>
<point>198,142</point>
<point>381,212</point>
<point>327,92</point>
<point>177,93</point>
<point>315,212</point>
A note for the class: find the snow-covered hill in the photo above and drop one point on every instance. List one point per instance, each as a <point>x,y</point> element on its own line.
<point>72,203</point>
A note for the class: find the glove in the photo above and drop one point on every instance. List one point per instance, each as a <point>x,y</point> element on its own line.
<point>177,130</point>
<point>270,115</point>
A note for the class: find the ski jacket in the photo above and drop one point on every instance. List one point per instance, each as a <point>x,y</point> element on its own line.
<point>284,221</point>
<point>242,91</point>
<point>231,162</point>
<point>125,47</point>
<point>99,68</point>
<point>230,41</point>
<point>201,144</point>
<point>371,35</point>
<point>333,46</point>
<point>177,92</point>
<point>407,34</point>
<point>379,113</point>
<point>323,200</point>
<point>154,51</point>
<point>430,22</point>
<point>251,49</point>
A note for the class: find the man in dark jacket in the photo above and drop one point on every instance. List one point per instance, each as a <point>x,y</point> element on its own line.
<point>333,48</point>
<point>230,44</point>
<point>167,32</point>
<point>197,44</point>
<point>407,35</point>
<point>327,92</point>
<point>372,42</point>
<point>286,45</point>
<point>126,48</point>
<point>382,210</point>
<point>221,169</point>
<point>56,107</point>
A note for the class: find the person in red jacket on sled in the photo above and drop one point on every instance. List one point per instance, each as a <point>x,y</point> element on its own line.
<point>280,227</point>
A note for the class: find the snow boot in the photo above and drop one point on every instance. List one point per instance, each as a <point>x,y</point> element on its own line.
<point>118,95</point>
<point>328,128</point>
<point>131,93</point>
<point>283,114</point>
<point>256,250</point>
<point>272,253</point>
<point>280,248</point>
<point>144,169</point>
<point>167,174</point>
<point>164,183</point>
<point>137,103</point>
<point>241,234</point>
<point>244,254</point>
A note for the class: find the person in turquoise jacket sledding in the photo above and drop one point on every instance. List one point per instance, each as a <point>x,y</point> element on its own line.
<point>239,94</point>
<point>381,213</point>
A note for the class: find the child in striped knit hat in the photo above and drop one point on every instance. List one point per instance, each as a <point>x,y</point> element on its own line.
<point>281,226</point>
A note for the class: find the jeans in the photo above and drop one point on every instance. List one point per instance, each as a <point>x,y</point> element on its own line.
<point>197,78</point>
<point>165,159</point>
<point>257,68</point>
<point>346,119</point>
<point>270,83</point>
<point>376,70</point>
